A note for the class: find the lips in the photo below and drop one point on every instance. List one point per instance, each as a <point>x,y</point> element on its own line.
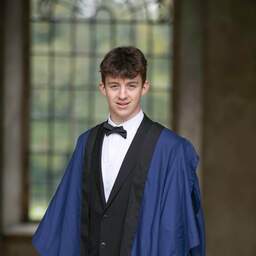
<point>122,104</point>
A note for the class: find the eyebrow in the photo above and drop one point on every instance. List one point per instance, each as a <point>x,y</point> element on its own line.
<point>130,82</point>
<point>112,83</point>
<point>133,82</point>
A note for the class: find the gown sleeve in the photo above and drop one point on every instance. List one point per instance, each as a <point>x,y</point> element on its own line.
<point>171,219</point>
<point>58,232</point>
<point>192,213</point>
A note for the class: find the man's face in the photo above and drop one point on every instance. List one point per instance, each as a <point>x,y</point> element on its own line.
<point>123,96</point>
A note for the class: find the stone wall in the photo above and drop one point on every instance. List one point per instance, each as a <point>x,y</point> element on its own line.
<point>229,134</point>
<point>215,107</point>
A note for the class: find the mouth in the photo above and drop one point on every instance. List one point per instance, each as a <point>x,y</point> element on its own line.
<point>122,104</point>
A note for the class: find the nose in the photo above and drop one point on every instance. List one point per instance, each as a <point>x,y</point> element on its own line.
<point>122,92</point>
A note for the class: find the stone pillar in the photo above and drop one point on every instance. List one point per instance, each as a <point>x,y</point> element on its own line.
<point>188,75</point>
<point>14,88</point>
<point>1,118</point>
<point>14,95</point>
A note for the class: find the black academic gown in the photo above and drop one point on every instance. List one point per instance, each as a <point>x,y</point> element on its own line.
<point>153,210</point>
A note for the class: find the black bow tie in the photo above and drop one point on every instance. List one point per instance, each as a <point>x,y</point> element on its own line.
<point>109,129</point>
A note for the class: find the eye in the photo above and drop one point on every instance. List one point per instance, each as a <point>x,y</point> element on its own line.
<point>114,86</point>
<point>132,86</point>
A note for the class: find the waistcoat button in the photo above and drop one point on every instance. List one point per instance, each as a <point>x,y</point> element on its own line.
<point>103,244</point>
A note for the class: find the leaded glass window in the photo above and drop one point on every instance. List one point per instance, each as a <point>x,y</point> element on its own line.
<point>68,40</point>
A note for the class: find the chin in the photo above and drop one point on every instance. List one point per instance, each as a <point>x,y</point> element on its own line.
<point>122,116</point>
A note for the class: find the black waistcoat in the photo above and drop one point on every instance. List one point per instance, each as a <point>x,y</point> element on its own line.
<point>108,228</point>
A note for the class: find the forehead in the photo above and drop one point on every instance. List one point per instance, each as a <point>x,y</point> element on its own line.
<point>119,79</point>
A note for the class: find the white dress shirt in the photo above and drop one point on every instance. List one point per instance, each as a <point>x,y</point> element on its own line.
<point>114,149</point>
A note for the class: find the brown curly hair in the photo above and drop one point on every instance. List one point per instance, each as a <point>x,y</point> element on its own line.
<point>124,62</point>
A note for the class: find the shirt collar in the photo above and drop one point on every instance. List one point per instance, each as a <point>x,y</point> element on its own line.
<point>131,124</point>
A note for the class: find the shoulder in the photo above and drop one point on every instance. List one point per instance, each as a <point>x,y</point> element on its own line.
<point>170,141</point>
<point>179,153</point>
<point>83,137</point>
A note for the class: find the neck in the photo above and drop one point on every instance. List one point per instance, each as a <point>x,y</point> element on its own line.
<point>118,121</point>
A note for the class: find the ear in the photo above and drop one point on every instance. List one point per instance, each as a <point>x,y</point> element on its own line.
<point>145,87</point>
<point>102,88</point>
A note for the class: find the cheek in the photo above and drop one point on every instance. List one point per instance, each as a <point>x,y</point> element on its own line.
<point>110,97</point>
<point>137,96</point>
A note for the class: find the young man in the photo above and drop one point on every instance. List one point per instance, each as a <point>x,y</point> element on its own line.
<point>131,186</point>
